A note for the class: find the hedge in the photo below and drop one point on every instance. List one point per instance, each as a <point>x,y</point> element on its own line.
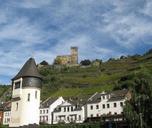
<point>84,125</point>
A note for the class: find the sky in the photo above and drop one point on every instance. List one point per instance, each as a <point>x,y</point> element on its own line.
<point>44,29</point>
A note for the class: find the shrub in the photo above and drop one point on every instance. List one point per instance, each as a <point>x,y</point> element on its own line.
<point>85,62</point>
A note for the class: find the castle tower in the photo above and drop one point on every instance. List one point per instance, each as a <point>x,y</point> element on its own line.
<point>26,86</point>
<point>74,55</point>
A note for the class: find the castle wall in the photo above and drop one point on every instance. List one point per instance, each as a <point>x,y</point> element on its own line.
<point>69,59</point>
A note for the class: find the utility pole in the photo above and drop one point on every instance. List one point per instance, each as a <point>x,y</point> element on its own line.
<point>141,122</point>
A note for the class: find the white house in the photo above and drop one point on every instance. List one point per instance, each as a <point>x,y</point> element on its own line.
<point>47,108</point>
<point>6,117</point>
<point>106,103</point>
<point>6,113</point>
<point>58,110</point>
<point>69,111</point>
<point>26,86</point>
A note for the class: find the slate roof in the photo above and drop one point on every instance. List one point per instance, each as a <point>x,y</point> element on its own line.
<point>28,69</point>
<point>77,100</point>
<point>73,101</point>
<point>16,99</point>
<point>96,98</point>
<point>114,96</point>
<point>7,106</point>
<point>48,102</point>
<point>118,95</point>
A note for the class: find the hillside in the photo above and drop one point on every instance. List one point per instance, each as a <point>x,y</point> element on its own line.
<point>82,81</point>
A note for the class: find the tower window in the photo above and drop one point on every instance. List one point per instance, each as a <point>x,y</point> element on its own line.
<point>17,85</point>
<point>91,107</point>
<point>16,106</point>
<point>35,94</point>
<point>28,98</point>
<point>115,105</point>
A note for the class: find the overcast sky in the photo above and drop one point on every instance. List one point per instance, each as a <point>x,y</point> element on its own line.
<point>46,28</point>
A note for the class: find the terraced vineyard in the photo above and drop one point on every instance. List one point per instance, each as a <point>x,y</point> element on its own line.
<point>82,81</point>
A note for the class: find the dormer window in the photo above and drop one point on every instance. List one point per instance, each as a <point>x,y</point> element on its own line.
<point>103,97</point>
<point>17,85</point>
<point>108,96</point>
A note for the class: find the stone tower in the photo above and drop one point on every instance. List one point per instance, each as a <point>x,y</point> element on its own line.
<point>26,86</point>
<point>74,55</point>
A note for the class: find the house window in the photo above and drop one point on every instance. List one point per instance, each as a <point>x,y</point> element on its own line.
<point>108,105</point>
<point>43,111</point>
<point>75,118</point>
<point>115,105</point>
<point>97,106</point>
<point>99,98</point>
<point>109,113</point>
<point>97,115</point>
<point>91,115</point>
<point>121,104</point>
<point>103,106</point>
<point>64,109</point>
<point>68,118</point>
<point>68,109</point>
<point>71,108</point>
<point>59,108</point>
<point>103,97</point>
<point>115,113</point>
<point>28,97</point>
<point>17,85</point>
<point>47,111</point>
<point>35,94</point>
<point>16,106</point>
<point>46,118</point>
<point>40,111</point>
<point>79,117</point>
<point>91,107</point>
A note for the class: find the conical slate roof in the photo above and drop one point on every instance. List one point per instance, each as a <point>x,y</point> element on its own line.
<point>29,69</point>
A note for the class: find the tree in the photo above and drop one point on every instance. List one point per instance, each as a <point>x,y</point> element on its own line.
<point>111,59</point>
<point>44,63</point>
<point>123,57</point>
<point>85,62</point>
<point>149,52</point>
<point>57,61</point>
<point>138,110</point>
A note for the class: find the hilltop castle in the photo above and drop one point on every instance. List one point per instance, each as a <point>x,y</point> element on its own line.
<point>68,59</point>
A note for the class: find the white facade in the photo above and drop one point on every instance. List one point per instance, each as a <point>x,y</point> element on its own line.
<point>68,112</point>
<point>58,110</point>
<point>6,117</point>
<point>46,113</point>
<point>24,110</point>
<point>104,106</point>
